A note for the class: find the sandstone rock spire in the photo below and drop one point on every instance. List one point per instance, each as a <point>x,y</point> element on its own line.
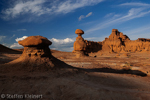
<point>79,44</point>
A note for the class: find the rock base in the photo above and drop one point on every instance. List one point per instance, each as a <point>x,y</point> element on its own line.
<point>36,52</point>
<point>80,54</point>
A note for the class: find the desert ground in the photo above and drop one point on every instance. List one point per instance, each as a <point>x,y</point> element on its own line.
<point>100,76</point>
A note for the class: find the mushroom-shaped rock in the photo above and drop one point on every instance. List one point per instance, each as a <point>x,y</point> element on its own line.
<point>79,32</point>
<point>35,41</point>
<point>79,44</point>
<point>36,46</point>
<point>36,57</point>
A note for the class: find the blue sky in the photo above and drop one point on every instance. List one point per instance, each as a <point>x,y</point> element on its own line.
<point>58,19</point>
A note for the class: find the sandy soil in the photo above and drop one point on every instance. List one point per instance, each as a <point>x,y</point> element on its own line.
<point>97,77</point>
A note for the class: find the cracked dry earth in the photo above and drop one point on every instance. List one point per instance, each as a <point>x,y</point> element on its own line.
<point>97,77</point>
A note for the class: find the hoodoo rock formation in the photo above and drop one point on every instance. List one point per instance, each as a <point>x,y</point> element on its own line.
<point>79,44</point>
<point>35,57</point>
<point>117,42</point>
<point>36,46</point>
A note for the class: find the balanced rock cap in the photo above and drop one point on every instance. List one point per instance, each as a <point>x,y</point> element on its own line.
<point>79,31</point>
<point>35,41</point>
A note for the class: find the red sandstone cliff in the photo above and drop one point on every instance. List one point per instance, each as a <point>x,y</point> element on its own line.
<point>118,42</point>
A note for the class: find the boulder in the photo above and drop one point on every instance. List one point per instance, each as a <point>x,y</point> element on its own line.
<point>79,32</point>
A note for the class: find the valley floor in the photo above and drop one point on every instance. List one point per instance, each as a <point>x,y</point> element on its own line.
<point>97,77</point>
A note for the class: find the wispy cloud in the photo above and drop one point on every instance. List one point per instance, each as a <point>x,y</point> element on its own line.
<point>89,14</point>
<point>12,36</point>
<point>96,38</point>
<point>112,15</point>
<point>135,4</point>
<point>139,32</point>
<point>108,15</point>
<point>2,37</point>
<point>85,16</point>
<point>21,29</point>
<point>131,14</point>
<point>41,7</point>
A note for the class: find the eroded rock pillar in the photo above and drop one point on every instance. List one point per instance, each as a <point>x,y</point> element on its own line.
<point>79,44</point>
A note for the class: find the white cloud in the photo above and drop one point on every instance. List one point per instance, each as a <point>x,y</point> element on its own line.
<point>62,41</point>
<point>62,44</point>
<point>89,14</point>
<point>112,15</point>
<point>41,7</point>
<point>21,29</point>
<point>57,44</point>
<point>82,16</point>
<point>135,4</point>
<point>131,14</point>
<point>70,5</point>
<point>22,38</point>
<point>16,45</point>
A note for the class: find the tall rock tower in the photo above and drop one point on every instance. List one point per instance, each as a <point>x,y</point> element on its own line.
<point>79,44</point>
